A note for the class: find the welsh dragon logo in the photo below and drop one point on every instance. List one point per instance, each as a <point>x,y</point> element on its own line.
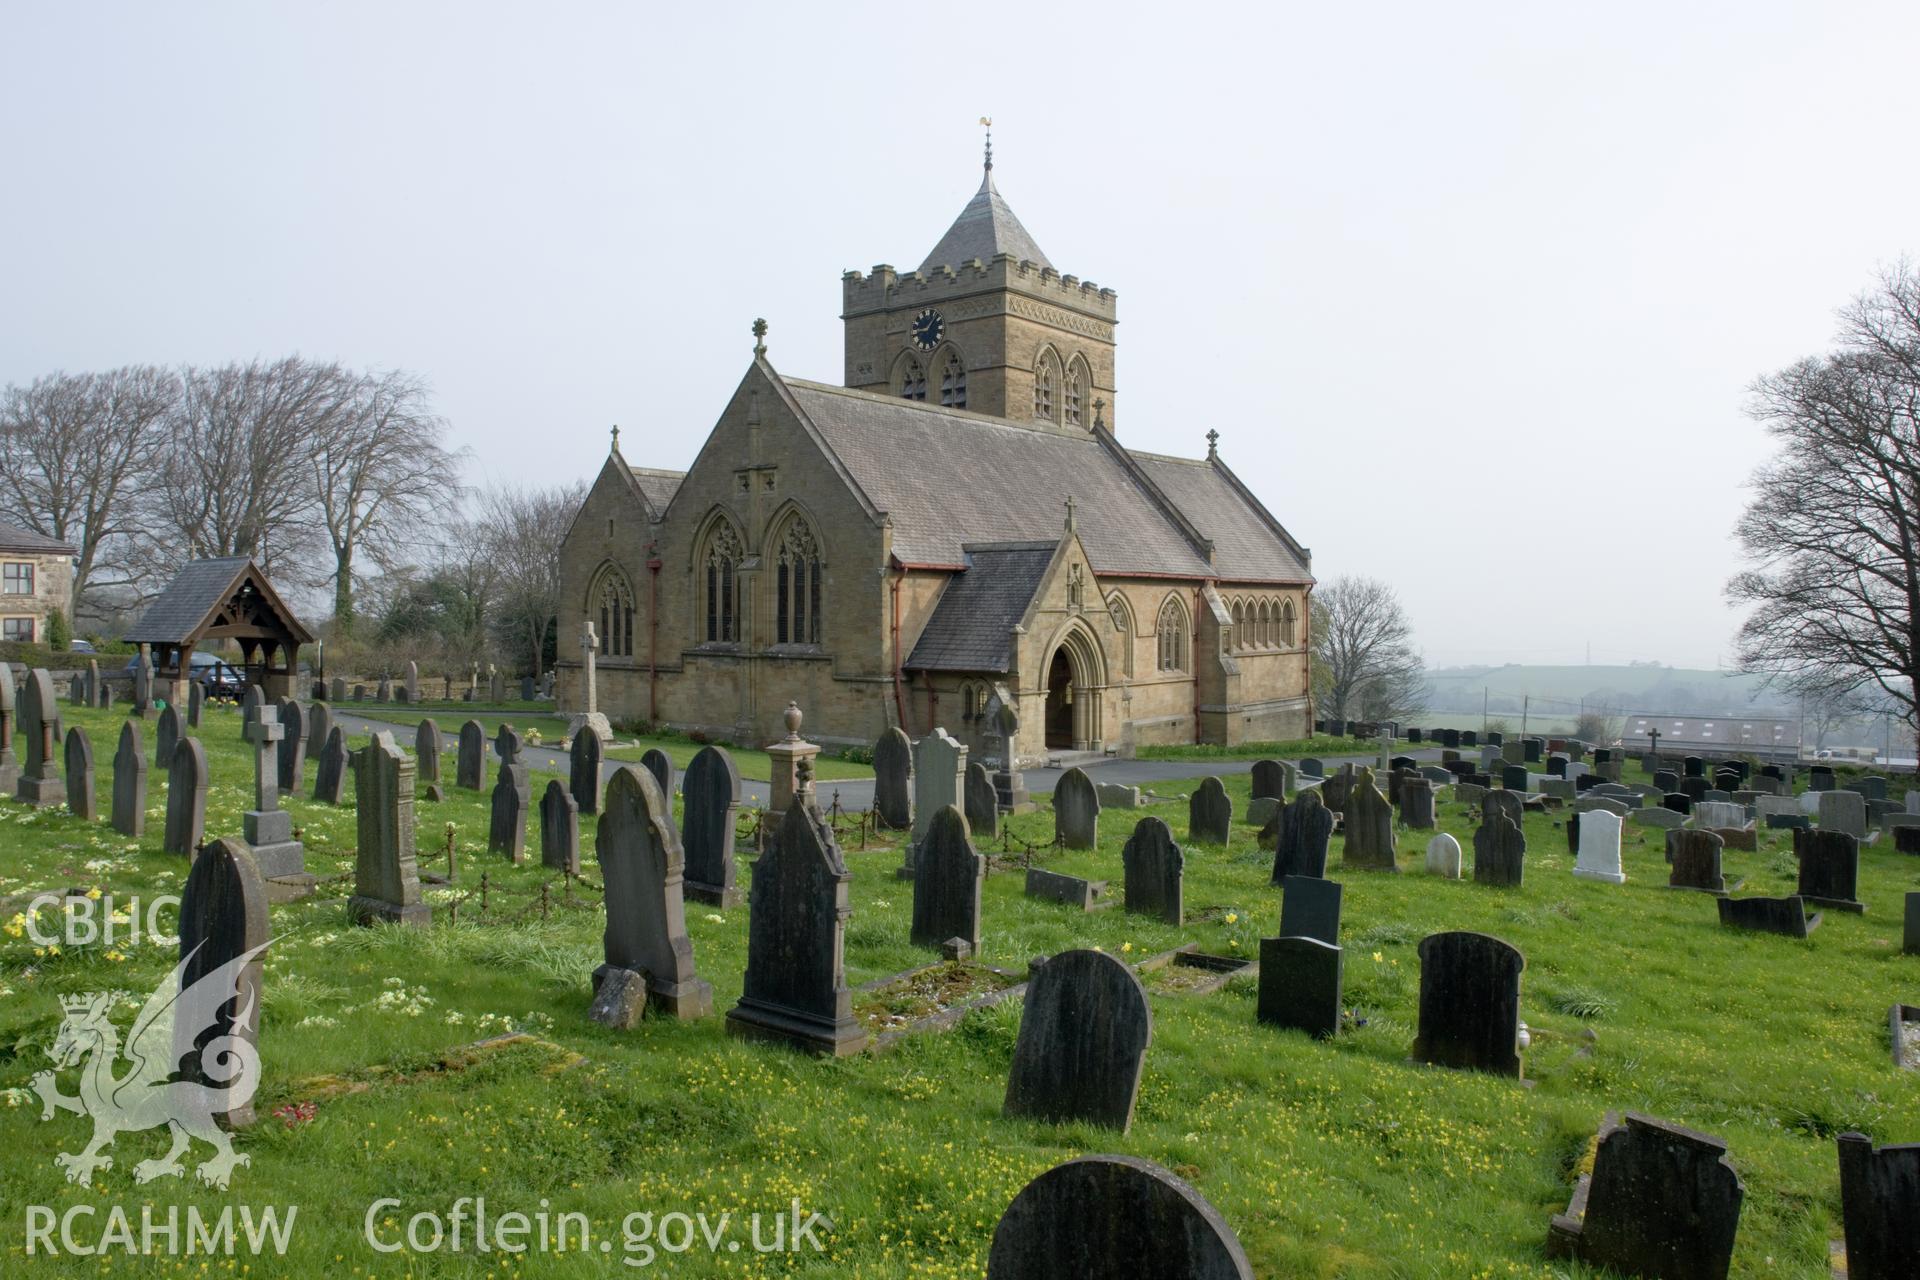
<point>155,1091</point>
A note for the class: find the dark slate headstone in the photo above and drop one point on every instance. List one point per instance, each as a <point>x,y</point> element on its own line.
<point>642,866</point>
<point>559,829</point>
<point>1880,1208</point>
<point>893,780</point>
<point>1661,1201</point>
<point>1416,803</point>
<point>1154,870</point>
<point>1416,735</point>
<point>319,725</point>
<point>386,875</point>
<point>711,793</point>
<point>946,883</point>
<point>1513,777</point>
<point>186,798</point>
<point>1696,860</point>
<point>1911,939</point>
<point>660,765</point>
<point>82,798</point>
<point>250,703</point>
<point>526,689</point>
<point>130,782</point>
<point>1532,749</point>
<point>167,732</point>
<point>223,930</point>
<point>1870,785</point>
<point>196,702</point>
<point>1800,822</point>
<point>1666,780</point>
<point>1470,1003</point>
<point>585,782</point>
<point>1906,839</point>
<point>1695,789</point>
<point>426,751</point>
<point>1335,790</point>
<point>1829,869</point>
<point>330,771</point>
<point>795,989</point>
<point>1693,766</point>
<point>1210,813</point>
<point>1450,738</point>
<point>1300,981</point>
<point>1076,810</point>
<point>1786,916</point>
<point>1310,908</point>
<point>290,752</point>
<point>1269,779</point>
<point>1083,1041</point>
<point>507,826</point>
<point>1111,1216</point>
<point>470,757</point>
<point>1369,826</point>
<point>1677,801</point>
<point>1312,768</point>
<point>983,802</point>
<point>1499,849</point>
<point>1820,778</point>
<point>1074,891</point>
<point>1556,766</point>
<point>1306,828</point>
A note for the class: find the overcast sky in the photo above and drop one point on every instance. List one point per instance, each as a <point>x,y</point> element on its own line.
<point>1472,293</point>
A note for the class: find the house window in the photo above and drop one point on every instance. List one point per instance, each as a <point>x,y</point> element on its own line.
<point>797,606</point>
<point>614,599</point>
<point>16,580</point>
<point>953,383</point>
<point>722,564</point>
<point>1172,629</point>
<point>913,380</point>
<point>20,629</point>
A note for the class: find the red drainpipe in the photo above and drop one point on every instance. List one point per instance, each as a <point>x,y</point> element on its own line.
<point>1193,651</point>
<point>653,638</point>
<point>899,699</point>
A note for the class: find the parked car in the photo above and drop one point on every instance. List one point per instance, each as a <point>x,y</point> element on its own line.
<point>80,646</point>
<point>219,679</point>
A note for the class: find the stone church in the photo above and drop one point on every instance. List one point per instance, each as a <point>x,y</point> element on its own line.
<point>956,523</point>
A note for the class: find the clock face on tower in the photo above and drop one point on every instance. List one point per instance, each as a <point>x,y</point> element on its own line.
<point>927,329</point>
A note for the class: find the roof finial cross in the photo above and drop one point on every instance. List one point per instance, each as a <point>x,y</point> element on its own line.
<point>1213,440</point>
<point>616,438</point>
<point>986,122</point>
<point>1070,520</point>
<point>759,337</point>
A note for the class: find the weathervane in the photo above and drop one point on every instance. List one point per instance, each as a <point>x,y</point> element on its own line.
<point>986,122</point>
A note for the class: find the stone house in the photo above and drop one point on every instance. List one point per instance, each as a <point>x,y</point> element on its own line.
<point>36,577</point>
<point>959,522</point>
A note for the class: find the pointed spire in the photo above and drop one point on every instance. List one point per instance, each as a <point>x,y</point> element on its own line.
<point>986,228</point>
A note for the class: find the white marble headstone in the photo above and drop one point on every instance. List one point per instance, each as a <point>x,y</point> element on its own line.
<point>1599,856</point>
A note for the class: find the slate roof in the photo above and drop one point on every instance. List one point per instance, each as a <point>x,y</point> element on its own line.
<point>14,538</point>
<point>969,627</point>
<point>986,227</point>
<point>947,478</point>
<point>200,587</point>
<point>657,486</point>
<point>1245,542</point>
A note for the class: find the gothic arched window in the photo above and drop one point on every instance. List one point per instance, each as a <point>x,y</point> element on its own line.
<point>797,586</point>
<point>721,567</point>
<point>1172,632</point>
<point>953,382</point>
<point>1046,377</point>
<point>1076,390</point>
<point>913,380</point>
<point>611,601</point>
<point>1262,627</point>
<point>1286,624</point>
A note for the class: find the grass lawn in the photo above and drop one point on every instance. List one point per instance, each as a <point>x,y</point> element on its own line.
<point>752,763</point>
<point>1329,1160</point>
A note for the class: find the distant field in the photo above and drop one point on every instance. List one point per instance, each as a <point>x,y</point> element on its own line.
<point>1564,691</point>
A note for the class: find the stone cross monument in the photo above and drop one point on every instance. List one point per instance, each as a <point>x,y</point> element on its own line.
<point>269,828</point>
<point>590,720</point>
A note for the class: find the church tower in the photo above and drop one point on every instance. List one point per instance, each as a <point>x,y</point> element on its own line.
<point>985,324</point>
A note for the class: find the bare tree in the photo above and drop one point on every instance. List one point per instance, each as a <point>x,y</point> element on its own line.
<point>78,453</point>
<point>1365,665</point>
<point>378,473</point>
<point>1833,530</point>
<point>523,529</point>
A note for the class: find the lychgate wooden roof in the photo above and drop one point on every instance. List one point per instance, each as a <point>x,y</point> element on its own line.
<point>228,598</point>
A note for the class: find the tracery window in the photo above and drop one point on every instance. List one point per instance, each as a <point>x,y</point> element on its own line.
<point>722,570</point>
<point>613,601</point>
<point>953,382</point>
<point>797,586</point>
<point>913,380</point>
<point>1172,633</point>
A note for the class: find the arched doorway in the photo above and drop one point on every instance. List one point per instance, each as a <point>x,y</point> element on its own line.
<point>1060,701</point>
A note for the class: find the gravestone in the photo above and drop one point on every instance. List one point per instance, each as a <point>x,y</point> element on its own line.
<point>1844,811</point>
<point>1662,1201</point>
<point>1099,1217</point>
<point>216,1019</point>
<point>946,884</point>
<point>660,765</point>
<point>1666,780</point>
<point>712,799</point>
<point>143,700</point>
<point>1598,857</point>
<point>186,799</point>
<point>1083,1041</point>
<point>527,692</point>
<point>336,692</point>
<point>9,762</point>
<point>1786,916</point>
<point>642,866</point>
<point>1678,802</point>
<point>1306,829</point>
<point>319,725</point>
<point>196,702</point>
<point>167,733</point>
<point>1369,825</point>
<point>1310,908</point>
<point>1870,785</point>
<point>1269,779</point>
<point>893,780</point>
<point>983,802</point>
<point>1075,891</point>
<point>1300,980</point>
<point>1717,814</point>
<point>269,828</point>
<point>77,691</point>
<point>330,771</point>
<point>585,782</point>
<point>1820,778</point>
<point>795,989</point>
<point>1076,810</point>
<point>939,780</point>
<point>1693,766</point>
<point>559,829</point>
<point>413,682</point>
<point>1470,1003</point>
<point>470,757</point>
<point>1154,869</point>
<point>1416,803</point>
<point>1906,838</point>
<point>1312,768</point>
<point>40,783</point>
<point>507,824</point>
<point>82,799</point>
<point>290,753</point>
<point>1695,856</point>
<point>1880,1208</point>
<point>426,752</point>
<point>1829,868</point>
<point>1335,790</point>
<point>1443,856</point>
<point>1513,777</point>
<point>130,783</point>
<point>386,874</point>
<point>250,703</point>
<point>1009,784</point>
<point>1911,939</point>
<point>1210,813</point>
<point>1499,850</point>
